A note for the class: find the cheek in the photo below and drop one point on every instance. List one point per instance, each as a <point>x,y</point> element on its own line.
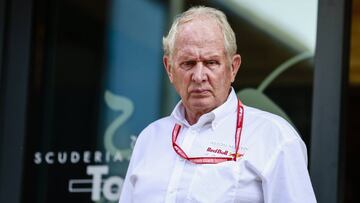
<point>228,76</point>
<point>180,81</point>
<point>219,77</point>
<point>220,81</point>
<point>182,78</point>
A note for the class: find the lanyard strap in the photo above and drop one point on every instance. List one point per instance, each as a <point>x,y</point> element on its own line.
<point>211,160</point>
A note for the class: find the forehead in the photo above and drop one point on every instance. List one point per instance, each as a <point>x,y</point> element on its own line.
<point>200,33</point>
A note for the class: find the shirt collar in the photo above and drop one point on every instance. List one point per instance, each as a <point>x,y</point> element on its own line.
<point>214,117</point>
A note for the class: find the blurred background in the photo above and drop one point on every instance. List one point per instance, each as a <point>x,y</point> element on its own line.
<point>80,79</point>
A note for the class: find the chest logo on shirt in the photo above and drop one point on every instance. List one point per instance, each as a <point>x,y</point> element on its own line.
<point>223,152</point>
<point>217,151</point>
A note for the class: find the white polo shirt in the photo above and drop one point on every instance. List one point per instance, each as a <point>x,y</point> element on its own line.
<point>273,168</point>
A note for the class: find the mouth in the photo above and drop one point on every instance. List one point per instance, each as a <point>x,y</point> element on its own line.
<point>200,92</point>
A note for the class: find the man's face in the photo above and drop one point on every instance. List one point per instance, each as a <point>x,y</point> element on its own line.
<point>199,68</point>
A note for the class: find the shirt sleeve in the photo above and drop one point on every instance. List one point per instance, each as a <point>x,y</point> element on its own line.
<point>127,190</point>
<point>286,178</point>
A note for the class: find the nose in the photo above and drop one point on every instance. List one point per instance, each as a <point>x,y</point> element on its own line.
<point>199,73</point>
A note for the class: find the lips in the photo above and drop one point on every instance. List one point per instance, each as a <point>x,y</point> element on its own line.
<point>200,92</point>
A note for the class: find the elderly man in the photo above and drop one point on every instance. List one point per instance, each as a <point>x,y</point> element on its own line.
<point>212,148</point>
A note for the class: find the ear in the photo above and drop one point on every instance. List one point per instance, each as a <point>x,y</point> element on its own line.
<point>168,68</point>
<point>235,65</point>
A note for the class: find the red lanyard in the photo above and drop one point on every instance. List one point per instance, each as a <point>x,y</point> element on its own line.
<point>211,160</point>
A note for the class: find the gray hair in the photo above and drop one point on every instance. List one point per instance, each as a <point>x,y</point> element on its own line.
<point>211,13</point>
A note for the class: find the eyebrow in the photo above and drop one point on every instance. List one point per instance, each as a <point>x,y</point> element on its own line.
<point>190,56</point>
<point>212,56</point>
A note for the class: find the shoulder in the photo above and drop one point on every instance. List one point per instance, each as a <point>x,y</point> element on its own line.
<point>267,136</point>
<point>155,130</point>
<point>159,124</point>
<point>151,137</point>
<point>271,125</point>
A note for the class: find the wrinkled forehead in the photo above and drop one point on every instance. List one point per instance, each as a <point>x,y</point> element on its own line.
<point>199,31</point>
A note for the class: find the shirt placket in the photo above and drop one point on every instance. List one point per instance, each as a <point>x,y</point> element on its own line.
<point>177,173</point>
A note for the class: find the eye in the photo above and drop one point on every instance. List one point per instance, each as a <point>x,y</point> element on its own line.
<point>211,63</point>
<point>187,64</point>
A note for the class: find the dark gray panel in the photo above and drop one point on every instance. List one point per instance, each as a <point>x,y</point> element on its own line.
<point>2,31</point>
<point>331,65</point>
<point>15,68</point>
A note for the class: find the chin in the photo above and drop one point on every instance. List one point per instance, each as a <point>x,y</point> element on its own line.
<point>202,104</point>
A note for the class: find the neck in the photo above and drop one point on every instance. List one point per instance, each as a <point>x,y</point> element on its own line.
<point>192,117</point>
